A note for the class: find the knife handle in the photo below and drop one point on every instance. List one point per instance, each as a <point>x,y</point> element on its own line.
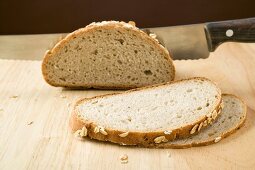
<point>241,30</point>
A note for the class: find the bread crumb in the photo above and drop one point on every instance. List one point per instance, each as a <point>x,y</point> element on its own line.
<point>124,159</point>
<point>30,123</point>
<point>14,96</point>
<point>168,154</point>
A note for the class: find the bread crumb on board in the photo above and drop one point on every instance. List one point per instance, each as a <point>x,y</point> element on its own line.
<point>30,123</point>
<point>14,96</point>
<point>124,159</point>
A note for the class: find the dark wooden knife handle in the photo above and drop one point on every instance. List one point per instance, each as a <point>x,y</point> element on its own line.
<point>241,30</point>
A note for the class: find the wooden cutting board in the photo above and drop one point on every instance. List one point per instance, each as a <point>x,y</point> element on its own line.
<point>34,132</point>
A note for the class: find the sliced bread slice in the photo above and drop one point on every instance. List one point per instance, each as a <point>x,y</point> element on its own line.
<point>231,118</point>
<point>148,115</point>
<point>110,55</point>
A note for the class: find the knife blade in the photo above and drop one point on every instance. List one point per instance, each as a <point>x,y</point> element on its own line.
<point>183,42</point>
<point>197,41</point>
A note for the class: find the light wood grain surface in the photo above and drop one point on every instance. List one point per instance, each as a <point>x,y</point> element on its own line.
<point>34,132</point>
<point>27,46</point>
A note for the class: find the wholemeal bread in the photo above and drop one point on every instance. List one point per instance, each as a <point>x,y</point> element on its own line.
<point>231,118</point>
<point>110,55</point>
<point>149,115</point>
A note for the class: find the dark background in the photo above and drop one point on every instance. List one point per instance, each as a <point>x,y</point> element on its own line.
<point>49,16</point>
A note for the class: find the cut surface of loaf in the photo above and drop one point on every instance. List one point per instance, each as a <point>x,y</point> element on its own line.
<point>171,110</point>
<point>231,118</point>
<point>107,55</point>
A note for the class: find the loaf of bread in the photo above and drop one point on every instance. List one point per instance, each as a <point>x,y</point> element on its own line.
<point>231,118</point>
<point>109,55</point>
<point>149,115</point>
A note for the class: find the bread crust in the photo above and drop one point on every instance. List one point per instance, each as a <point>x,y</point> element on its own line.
<point>210,141</point>
<point>145,139</point>
<point>90,28</point>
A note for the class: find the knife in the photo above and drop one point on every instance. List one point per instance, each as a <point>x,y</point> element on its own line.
<point>183,42</point>
<point>198,40</point>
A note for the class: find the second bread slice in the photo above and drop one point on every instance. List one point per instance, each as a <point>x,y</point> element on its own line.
<point>231,118</point>
<point>148,115</point>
